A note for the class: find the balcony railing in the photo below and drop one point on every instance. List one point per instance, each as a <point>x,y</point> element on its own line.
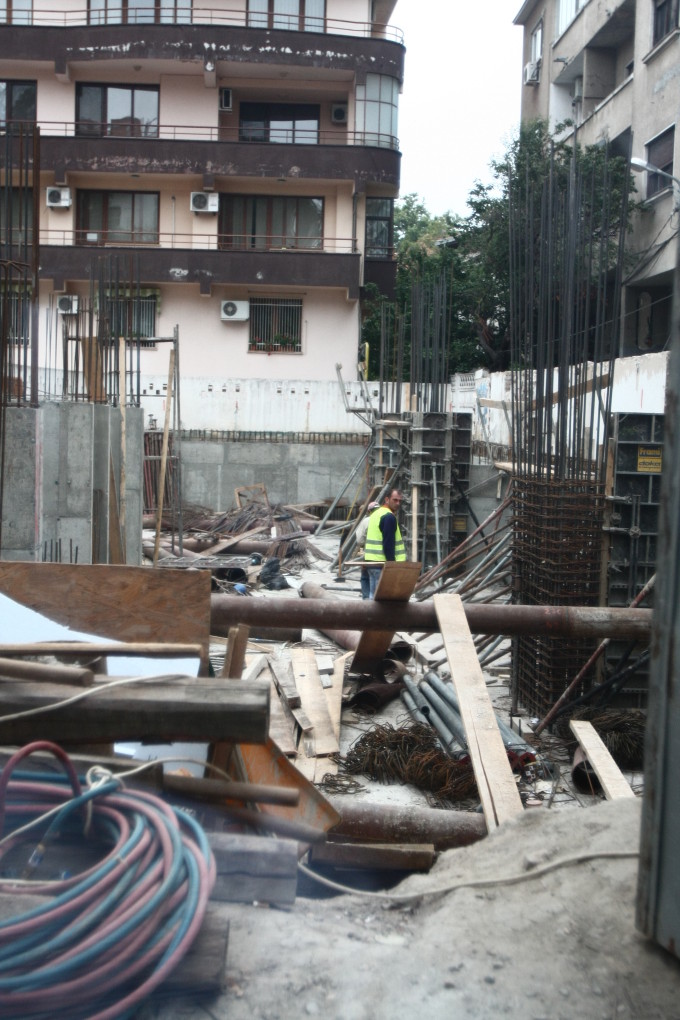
<point>213,133</point>
<point>201,242</point>
<point>161,15</point>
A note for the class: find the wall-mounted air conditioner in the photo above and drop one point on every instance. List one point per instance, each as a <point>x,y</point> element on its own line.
<point>339,113</point>
<point>205,201</point>
<point>531,72</point>
<point>226,100</point>
<point>59,198</point>
<point>235,311</point>
<point>67,304</point>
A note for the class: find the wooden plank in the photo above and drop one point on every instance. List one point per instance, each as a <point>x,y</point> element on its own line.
<point>388,856</point>
<point>254,868</point>
<point>154,711</point>
<point>614,783</point>
<point>334,692</point>
<point>234,657</point>
<point>396,584</point>
<point>281,724</point>
<point>284,678</point>
<point>254,666</point>
<point>495,780</point>
<point>122,602</point>
<point>313,699</point>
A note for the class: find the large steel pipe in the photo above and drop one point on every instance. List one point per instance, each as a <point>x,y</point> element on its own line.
<point>390,823</point>
<point>345,614</point>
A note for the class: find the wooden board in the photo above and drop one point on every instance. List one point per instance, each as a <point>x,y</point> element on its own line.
<point>280,723</point>
<point>153,711</point>
<point>253,868</point>
<point>396,584</point>
<point>613,783</point>
<point>495,781</point>
<point>125,603</point>
<point>314,703</point>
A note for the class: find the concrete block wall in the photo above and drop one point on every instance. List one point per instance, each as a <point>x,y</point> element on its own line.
<point>291,472</point>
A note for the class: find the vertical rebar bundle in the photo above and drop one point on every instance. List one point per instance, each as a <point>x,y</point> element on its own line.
<point>566,252</point>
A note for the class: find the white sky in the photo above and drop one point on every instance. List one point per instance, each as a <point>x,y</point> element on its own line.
<point>461,99</point>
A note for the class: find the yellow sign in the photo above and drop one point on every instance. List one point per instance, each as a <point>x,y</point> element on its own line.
<point>649,459</point>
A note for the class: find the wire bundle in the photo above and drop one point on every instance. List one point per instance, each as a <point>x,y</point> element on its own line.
<point>107,937</point>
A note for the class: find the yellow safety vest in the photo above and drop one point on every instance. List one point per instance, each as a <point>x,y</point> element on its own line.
<point>374,539</point>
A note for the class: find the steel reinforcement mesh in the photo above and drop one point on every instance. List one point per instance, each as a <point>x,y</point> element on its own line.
<point>557,551</point>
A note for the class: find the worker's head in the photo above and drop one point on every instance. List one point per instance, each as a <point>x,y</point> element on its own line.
<point>373,505</point>
<point>392,500</point>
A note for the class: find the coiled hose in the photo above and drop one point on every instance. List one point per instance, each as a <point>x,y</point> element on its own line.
<point>108,936</point>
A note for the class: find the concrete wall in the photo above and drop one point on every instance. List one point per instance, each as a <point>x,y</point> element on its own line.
<point>57,481</point>
<point>291,472</point>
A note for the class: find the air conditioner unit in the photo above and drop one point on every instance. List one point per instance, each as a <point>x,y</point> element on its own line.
<point>531,72</point>
<point>205,201</point>
<point>235,311</point>
<point>226,100</point>
<point>339,113</point>
<point>59,198</point>
<point>578,89</point>
<point>67,304</point>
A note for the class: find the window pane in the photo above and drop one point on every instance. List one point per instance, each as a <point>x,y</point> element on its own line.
<point>307,132</point>
<point>146,218</point>
<point>141,12</point>
<point>3,100</point>
<point>183,14</point>
<point>119,111</point>
<point>314,15</point>
<point>145,103</point>
<point>22,105</point>
<point>379,207</point>
<point>257,13</point>
<point>119,216</point>
<point>89,114</point>
<point>278,223</point>
<point>310,222</point>
<point>286,14</point>
<point>281,131</point>
<point>373,86</point>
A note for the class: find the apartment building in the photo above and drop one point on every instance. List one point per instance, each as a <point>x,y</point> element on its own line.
<point>612,68</point>
<point>237,162</point>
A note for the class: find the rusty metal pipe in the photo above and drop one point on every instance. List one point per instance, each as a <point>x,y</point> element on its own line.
<point>389,823</point>
<point>338,614</point>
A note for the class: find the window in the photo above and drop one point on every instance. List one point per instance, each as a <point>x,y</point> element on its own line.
<point>17,101</point>
<point>121,110</point>
<point>665,18</point>
<point>568,11</point>
<point>16,216</point>
<point>279,122</point>
<point>379,224</point>
<point>377,109</point>
<point>131,317</point>
<point>276,325</point>
<point>270,221</point>
<point>139,12</point>
<point>294,15</point>
<point>537,43</point>
<point>117,217</point>
<point>16,12</point>
<point>16,319</point>
<point>660,154</point>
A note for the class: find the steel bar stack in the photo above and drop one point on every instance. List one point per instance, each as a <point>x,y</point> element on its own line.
<point>566,246</point>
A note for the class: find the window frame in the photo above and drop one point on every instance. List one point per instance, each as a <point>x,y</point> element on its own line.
<point>373,250</point>
<point>659,152</point>
<point>10,85</point>
<point>664,19</point>
<point>14,16</point>
<point>265,114</point>
<point>259,17</point>
<point>243,236</point>
<point>85,195</point>
<point>105,127</point>
<point>124,12</point>
<point>143,308</point>
<point>284,313</point>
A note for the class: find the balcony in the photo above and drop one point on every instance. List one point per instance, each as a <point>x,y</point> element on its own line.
<point>217,37</point>
<point>339,155</point>
<point>197,259</point>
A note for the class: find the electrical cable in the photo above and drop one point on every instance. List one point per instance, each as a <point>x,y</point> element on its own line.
<point>109,935</point>
<point>475,883</point>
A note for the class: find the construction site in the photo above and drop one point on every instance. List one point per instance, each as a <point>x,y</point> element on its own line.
<point>234,788</point>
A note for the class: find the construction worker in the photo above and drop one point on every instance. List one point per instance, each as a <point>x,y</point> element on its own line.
<point>384,543</point>
<point>360,536</point>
